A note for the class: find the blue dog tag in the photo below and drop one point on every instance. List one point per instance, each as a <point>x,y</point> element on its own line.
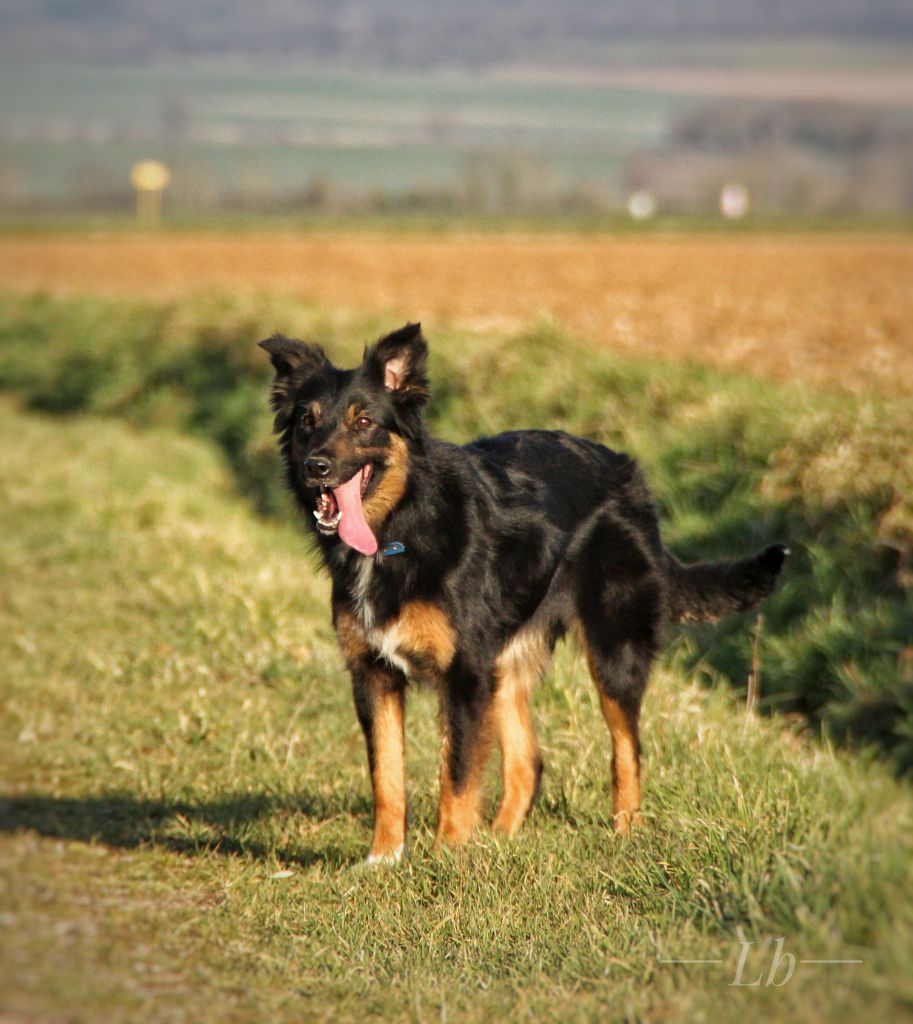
<point>394,548</point>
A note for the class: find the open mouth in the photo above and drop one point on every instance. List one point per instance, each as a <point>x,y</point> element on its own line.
<point>327,512</point>
<point>334,502</point>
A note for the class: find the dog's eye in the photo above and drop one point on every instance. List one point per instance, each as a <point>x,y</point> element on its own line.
<point>363,423</point>
<point>308,420</point>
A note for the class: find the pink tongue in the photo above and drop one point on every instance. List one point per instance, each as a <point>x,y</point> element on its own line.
<point>352,527</point>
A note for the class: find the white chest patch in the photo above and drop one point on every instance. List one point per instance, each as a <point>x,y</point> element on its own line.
<point>386,642</point>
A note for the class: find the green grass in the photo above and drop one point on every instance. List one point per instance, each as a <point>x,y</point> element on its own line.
<point>735,463</point>
<point>177,731</point>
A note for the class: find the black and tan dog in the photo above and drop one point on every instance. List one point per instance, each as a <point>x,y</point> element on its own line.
<point>464,565</point>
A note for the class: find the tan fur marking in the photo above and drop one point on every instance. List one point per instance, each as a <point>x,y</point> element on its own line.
<point>625,767</point>
<point>388,776</point>
<point>389,492</point>
<point>351,636</point>
<point>352,414</point>
<point>517,669</point>
<point>423,630</point>
<point>458,812</point>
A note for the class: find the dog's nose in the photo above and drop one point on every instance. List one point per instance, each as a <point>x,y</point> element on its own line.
<point>317,466</point>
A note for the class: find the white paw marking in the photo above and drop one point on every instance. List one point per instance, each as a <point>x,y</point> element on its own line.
<point>393,857</point>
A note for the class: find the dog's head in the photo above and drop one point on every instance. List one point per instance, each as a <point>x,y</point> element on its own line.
<point>346,434</point>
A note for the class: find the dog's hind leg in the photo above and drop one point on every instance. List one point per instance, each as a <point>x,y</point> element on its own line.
<point>619,601</point>
<point>466,726</point>
<point>622,719</point>
<point>518,668</point>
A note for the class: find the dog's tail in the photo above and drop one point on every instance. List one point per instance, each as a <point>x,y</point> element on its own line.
<point>706,591</point>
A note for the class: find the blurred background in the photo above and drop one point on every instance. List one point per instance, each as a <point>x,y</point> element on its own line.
<point>312,108</point>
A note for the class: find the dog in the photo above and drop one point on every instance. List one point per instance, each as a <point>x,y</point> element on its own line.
<point>464,565</point>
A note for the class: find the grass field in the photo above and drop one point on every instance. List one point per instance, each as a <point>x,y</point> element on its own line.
<point>185,803</point>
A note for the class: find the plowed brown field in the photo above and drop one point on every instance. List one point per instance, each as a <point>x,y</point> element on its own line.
<point>824,309</point>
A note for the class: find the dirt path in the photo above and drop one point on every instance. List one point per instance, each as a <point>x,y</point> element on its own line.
<point>823,309</point>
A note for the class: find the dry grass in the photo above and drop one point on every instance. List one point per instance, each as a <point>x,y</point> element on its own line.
<point>826,310</point>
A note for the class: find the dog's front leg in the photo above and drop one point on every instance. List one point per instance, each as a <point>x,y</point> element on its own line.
<point>380,703</point>
<point>379,690</point>
<point>466,728</point>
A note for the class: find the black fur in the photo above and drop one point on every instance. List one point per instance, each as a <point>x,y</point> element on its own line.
<point>532,529</point>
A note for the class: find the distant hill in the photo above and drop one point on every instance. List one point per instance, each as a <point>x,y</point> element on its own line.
<point>419,33</point>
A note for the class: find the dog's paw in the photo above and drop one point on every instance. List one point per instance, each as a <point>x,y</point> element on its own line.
<point>393,856</point>
<point>626,822</point>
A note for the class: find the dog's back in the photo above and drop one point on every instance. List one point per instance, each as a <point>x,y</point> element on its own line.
<point>574,475</point>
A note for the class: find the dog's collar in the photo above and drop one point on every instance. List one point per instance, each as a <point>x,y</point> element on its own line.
<point>395,547</point>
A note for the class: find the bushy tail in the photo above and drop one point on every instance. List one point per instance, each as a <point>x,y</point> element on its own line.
<point>705,591</point>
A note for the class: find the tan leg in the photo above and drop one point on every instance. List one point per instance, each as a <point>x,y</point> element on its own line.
<point>387,749</point>
<point>521,765</point>
<point>379,693</point>
<point>463,759</point>
<point>518,668</point>
<point>625,765</point>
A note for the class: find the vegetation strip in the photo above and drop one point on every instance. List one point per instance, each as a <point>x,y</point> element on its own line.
<point>735,464</point>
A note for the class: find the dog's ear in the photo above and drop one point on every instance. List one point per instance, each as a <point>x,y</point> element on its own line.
<point>399,361</point>
<point>294,363</point>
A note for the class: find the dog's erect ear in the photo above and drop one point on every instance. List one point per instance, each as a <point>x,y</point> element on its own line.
<point>399,360</point>
<point>294,362</point>
<point>289,356</point>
